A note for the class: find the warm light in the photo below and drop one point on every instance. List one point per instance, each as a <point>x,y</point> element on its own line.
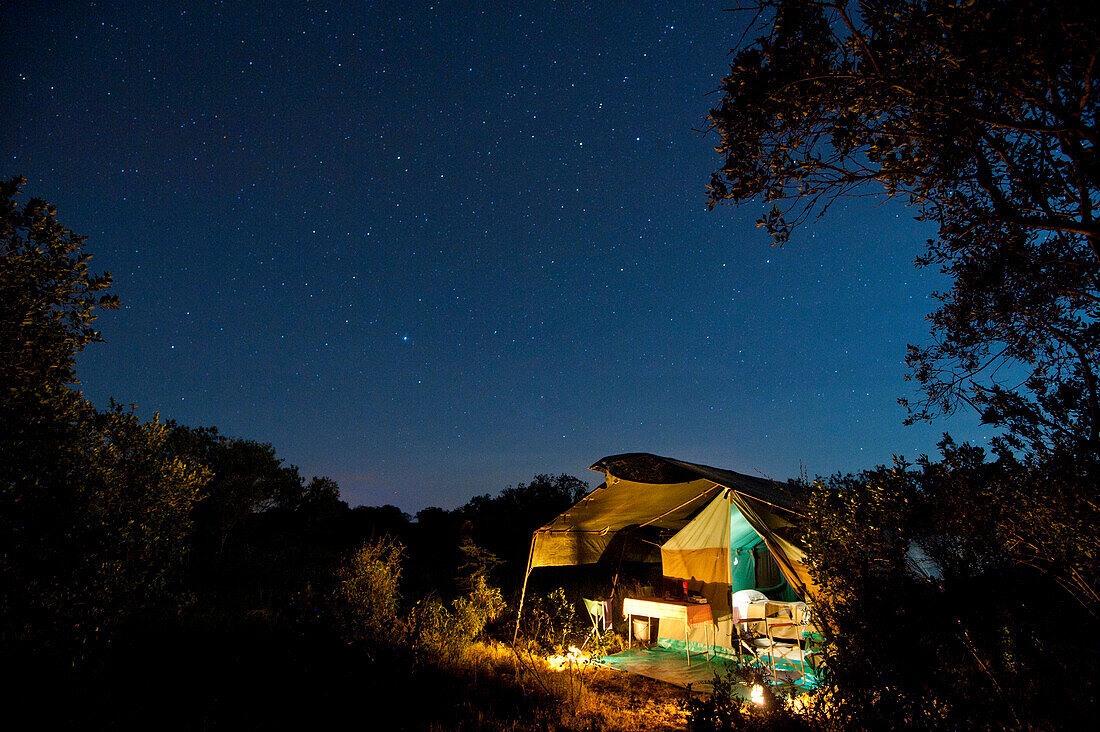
<point>573,658</point>
<point>757,694</point>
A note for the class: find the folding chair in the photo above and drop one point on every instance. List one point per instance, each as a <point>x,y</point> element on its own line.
<point>784,640</point>
<point>747,631</point>
<point>780,637</point>
<point>598,612</point>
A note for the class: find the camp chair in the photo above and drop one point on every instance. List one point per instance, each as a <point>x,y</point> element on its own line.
<point>785,635</point>
<point>598,612</point>
<point>778,637</point>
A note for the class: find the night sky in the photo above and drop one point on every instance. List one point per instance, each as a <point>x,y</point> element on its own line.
<point>432,251</point>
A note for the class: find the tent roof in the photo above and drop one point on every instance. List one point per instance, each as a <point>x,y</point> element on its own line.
<point>643,494</point>
<point>643,467</point>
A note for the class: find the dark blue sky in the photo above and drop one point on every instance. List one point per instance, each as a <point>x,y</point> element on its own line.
<point>432,251</point>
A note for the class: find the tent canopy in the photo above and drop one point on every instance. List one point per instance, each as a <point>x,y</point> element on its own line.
<point>702,523</point>
<point>646,499</point>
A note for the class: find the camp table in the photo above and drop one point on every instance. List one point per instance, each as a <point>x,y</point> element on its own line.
<point>691,613</point>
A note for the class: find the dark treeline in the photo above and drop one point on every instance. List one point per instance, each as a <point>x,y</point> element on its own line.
<point>157,575</point>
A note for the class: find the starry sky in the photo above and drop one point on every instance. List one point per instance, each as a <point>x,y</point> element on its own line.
<point>433,249</point>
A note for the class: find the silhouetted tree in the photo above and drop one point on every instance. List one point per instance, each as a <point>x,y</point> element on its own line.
<point>94,507</point>
<point>503,524</point>
<point>262,535</point>
<point>248,478</point>
<point>982,115</point>
<point>48,297</point>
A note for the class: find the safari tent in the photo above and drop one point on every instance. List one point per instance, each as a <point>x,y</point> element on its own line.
<point>719,530</point>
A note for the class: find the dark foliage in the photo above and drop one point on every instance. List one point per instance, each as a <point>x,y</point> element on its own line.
<point>261,533</point>
<point>503,524</point>
<point>94,506</point>
<point>95,523</point>
<point>48,296</point>
<point>729,707</point>
<point>982,115</point>
<point>253,674</point>
<point>946,594</point>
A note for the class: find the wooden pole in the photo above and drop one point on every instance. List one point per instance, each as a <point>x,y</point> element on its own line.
<point>523,592</point>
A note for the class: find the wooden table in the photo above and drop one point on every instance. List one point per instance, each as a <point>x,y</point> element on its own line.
<point>691,613</point>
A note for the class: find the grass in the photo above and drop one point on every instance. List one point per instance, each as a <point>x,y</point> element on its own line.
<point>619,701</point>
<point>502,689</point>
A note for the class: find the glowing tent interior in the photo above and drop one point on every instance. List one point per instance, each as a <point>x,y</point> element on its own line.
<point>719,530</point>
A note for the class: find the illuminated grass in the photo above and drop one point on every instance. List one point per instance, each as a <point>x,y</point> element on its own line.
<point>576,697</point>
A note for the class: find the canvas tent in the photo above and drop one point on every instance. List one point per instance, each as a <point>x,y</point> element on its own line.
<point>711,527</point>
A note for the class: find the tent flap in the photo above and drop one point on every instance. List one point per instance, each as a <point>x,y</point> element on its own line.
<point>701,550</point>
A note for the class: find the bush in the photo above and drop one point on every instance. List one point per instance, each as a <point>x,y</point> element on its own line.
<point>94,526</point>
<point>482,605</point>
<point>446,632</point>
<point>727,709</point>
<point>367,607</point>
<point>981,628</point>
<point>552,623</point>
<point>366,598</point>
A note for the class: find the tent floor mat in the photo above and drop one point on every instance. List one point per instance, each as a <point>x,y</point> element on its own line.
<point>670,665</point>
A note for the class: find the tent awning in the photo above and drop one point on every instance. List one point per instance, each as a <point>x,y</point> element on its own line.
<point>631,515</point>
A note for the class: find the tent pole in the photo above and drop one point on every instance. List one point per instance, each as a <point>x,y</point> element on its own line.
<point>713,485</point>
<point>618,569</point>
<point>735,634</point>
<point>523,592</point>
<point>769,503</point>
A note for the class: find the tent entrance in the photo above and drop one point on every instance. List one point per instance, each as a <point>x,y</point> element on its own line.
<point>717,553</point>
<point>752,566</point>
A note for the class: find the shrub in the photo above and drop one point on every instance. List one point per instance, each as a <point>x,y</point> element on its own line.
<point>972,631</point>
<point>447,632</point>
<point>366,598</point>
<point>552,622</point>
<point>482,605</point>
<point>727,709</point>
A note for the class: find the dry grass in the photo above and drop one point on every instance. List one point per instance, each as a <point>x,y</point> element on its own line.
<point>580,698</point>
<point>614,700</point>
